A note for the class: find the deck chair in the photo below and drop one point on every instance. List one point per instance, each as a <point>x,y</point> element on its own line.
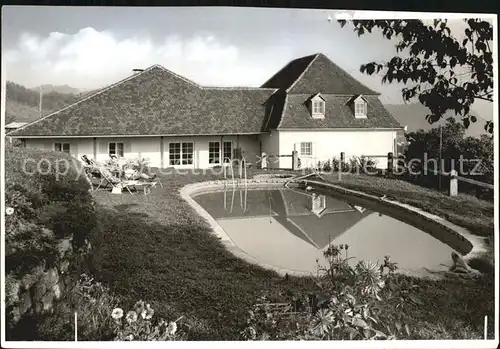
<point>143,177</point>
<point>116,183</point>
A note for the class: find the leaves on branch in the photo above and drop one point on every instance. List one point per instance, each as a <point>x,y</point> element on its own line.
<point>443,73</point>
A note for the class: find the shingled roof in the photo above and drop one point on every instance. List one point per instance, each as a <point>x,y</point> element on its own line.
<point>158,102</point>
<point>338,114</point>
<point>316,73</point>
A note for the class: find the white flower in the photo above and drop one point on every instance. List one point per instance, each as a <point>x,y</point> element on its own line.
<point>9,211</point>
<point>117,313</point>
<point>131,316</point>
<point>171,328</point>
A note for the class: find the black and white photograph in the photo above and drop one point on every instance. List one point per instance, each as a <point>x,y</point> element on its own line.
<point>247,174</point>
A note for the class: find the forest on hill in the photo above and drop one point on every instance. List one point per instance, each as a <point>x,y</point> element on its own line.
<point>23,104</point>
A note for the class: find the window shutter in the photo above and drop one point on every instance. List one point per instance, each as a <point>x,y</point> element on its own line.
<point>103,146</point>
<point>127,147</point>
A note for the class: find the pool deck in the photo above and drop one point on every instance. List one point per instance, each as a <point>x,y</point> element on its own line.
<point>476,244</point>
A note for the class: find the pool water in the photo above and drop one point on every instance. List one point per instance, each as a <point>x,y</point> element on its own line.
<point>290,229</point>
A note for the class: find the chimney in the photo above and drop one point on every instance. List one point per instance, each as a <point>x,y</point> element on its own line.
<point>137,71</point>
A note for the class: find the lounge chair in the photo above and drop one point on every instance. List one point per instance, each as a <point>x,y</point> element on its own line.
<point>107,178</point>
<point>132,174</point>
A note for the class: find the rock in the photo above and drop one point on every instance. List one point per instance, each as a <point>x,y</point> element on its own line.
<point>57,291</point>
<point>30,279</point>
<point>63,266</point>
<point>38,290</point>
<point>48,301</point>
<point>64,246</point>
<point>24,303</point>
<point>51,277</point>
<point>15,314</point>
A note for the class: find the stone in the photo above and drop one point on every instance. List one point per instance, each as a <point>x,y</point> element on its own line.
<point>24,303</point>
<point>51,277</point>
<point>30,279</point>
<point>38,290</point>
<point>57,291</point>
<point>64,246</point>
<point>63,266</point>
<point>48,301</point>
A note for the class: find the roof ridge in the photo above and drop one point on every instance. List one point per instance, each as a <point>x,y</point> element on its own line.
<point>237,88</point>
<point>83,99</point>
<point>285,66</point>
<point>177,75</point>
<point>303,72</point>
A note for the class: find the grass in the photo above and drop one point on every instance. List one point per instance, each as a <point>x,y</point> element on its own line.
<point>157,249</point>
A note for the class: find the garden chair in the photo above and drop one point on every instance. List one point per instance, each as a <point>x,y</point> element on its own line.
<point>107,178</point>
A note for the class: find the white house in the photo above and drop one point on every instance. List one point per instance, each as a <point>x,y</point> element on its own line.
<point>311,106</point>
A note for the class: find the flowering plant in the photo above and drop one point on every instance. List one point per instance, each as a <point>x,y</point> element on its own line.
<point>138,324</point>
<point>345,308</point>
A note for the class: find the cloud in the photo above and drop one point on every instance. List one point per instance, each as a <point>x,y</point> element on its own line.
<point>91,58</point>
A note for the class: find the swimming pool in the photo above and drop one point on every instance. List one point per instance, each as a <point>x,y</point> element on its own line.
<point>290,229</point>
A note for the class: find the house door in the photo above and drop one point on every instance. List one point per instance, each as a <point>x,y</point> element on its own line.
<point>227,151</point>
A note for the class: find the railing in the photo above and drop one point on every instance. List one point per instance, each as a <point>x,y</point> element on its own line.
<point>455,178</point>
<point>242,171</point>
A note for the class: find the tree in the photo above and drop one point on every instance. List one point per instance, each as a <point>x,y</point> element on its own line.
<point>446,74</point>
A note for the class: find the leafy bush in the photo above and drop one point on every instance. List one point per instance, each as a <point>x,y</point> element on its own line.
<point>347,307</point>
<point>424,146</point>
<point>100,319</point>
<point>47,199</point>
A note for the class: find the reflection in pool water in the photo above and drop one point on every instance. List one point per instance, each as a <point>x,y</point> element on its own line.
<point>290,229</point>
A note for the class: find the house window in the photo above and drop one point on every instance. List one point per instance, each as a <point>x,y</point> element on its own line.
<point>306,149</point>
<point>62,147</point>
<point>174,154</point>
<point>318,107</point>
<point>228,152</point>
<point>213,152</point>
<point>187,153</point>
<point>360,109</point>
<point>115,149</point>
<point>180,153</point>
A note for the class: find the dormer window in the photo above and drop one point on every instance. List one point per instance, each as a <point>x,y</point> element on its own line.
<point>317,107</point>
<point>360,107</point>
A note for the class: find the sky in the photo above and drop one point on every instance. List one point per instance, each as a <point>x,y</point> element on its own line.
<point>91,47</point>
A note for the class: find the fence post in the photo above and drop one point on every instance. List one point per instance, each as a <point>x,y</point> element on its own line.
<point>453,183</point>
<point>295,160</point>
<point>390,163</point>
<point>341,164</point>
<point>263,161</point>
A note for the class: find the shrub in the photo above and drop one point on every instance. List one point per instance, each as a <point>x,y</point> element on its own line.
<point>47,199</point>
<point>100,318</point>
<point>345,308</point>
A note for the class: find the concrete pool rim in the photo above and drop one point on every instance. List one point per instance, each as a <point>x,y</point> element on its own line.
<point>477,243</point>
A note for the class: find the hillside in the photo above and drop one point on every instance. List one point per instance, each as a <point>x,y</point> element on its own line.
<point>22,104</point>
<point>63,89</point>
<point>413,115</point>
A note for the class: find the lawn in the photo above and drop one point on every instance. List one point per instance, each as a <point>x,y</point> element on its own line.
<point>157,249</point>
